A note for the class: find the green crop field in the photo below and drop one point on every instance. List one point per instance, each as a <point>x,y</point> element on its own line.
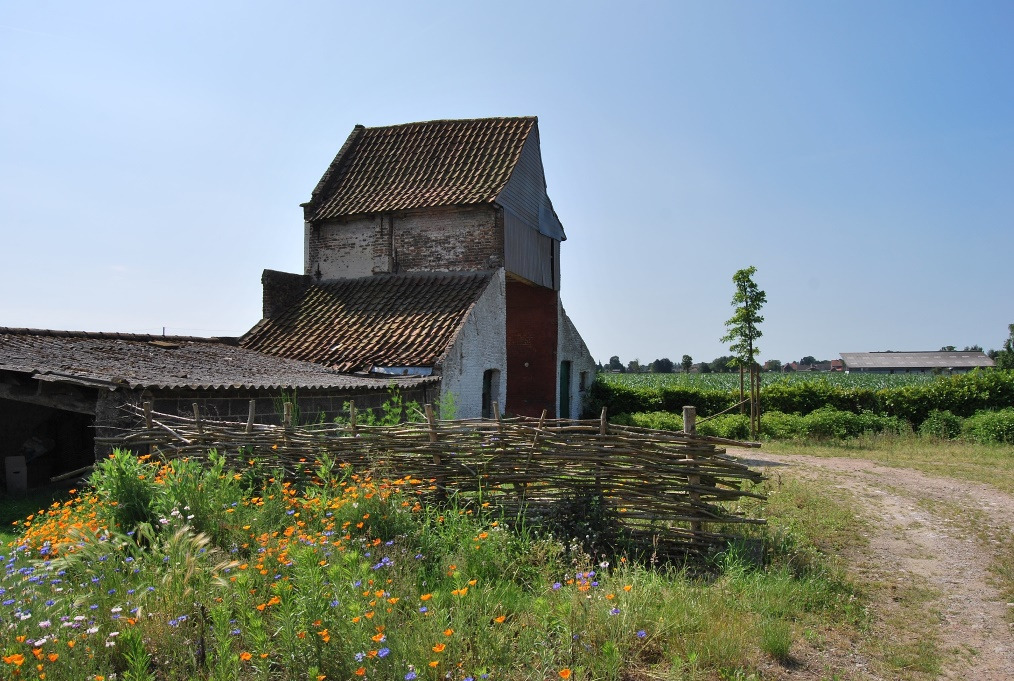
<point>730,381</point>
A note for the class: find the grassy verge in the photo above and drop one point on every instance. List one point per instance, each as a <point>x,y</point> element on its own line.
<point>173,571</point>
<point>990,464</point>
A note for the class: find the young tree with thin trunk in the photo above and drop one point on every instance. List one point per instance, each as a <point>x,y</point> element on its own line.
<point>743,332</point>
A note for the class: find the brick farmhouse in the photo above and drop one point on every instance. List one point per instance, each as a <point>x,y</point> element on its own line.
<point>431,263</point>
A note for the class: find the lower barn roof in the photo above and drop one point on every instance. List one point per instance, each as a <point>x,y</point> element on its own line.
<point>387,320</point>
<point>139,361</point>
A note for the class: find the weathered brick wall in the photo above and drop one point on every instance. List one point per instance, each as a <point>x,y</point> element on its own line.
<point>346,249</point>
<point>466,238</point>
<point>452,238</point>
<point>531,349</point>
<point>481,345</point>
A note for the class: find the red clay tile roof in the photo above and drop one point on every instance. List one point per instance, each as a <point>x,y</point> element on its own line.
<point>115,360</point>
<point>389,320</point>
<point>420,165</point>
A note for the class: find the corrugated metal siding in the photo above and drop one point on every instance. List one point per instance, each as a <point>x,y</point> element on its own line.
<point>530,254</point>
<point>525,192</point>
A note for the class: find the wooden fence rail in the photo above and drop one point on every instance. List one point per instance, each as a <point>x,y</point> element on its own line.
<point>673,490</point>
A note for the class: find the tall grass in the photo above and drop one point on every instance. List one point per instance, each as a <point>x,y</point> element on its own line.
<point>168,570</point>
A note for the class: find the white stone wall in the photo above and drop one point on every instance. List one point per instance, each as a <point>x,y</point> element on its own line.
<point>481,345</point>
<point>571,348</point>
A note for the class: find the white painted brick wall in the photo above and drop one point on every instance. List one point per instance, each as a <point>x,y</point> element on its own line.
<point>481,345</point>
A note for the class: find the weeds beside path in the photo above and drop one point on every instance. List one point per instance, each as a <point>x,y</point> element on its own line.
<point>938,565</point>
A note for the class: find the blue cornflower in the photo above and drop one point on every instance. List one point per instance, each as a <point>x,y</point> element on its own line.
<point>383,652</point>
<point>641,633</point>
<point>410,676</point>
<point>614,611</point>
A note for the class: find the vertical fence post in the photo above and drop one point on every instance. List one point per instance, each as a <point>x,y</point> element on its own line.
<point>251,413</point>
<point>197,419</point>
<point>437,461</point>
<point>496,415</point>
<point>690,420</point>
<point>352,418</point>
<point>693,480</point>
<point>148,425</point>
<point>603,423</point>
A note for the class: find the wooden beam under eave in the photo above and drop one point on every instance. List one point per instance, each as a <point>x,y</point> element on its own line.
<point>53,395</point>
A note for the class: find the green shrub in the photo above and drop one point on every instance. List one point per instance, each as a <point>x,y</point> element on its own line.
<point>990,426</point>
<point>941,424</point>
<point>128,489</point>
<point>830,423</point>
<point>659,420</point>
<point>776,425</point>
<point>733,426</point>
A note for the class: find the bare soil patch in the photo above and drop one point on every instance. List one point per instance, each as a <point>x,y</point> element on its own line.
<point>932,536</point>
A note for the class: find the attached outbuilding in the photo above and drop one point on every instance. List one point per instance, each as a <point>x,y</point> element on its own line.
<point>59,390</point>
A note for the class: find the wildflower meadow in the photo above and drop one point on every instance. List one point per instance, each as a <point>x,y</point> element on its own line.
<point>191,570</point>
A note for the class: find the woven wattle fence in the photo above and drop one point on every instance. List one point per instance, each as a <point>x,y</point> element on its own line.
<point>673,491</point>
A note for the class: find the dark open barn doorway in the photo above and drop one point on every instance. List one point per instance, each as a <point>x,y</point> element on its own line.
<point>52,441</point>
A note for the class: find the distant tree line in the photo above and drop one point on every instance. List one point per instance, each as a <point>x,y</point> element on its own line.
<point>1004,358</point>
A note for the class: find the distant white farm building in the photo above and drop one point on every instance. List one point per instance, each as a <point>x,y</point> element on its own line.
<point>889,362</point>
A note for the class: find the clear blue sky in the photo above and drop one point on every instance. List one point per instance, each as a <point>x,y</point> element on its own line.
<point>153,157</point>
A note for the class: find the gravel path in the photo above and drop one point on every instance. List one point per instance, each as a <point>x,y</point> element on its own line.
<point>921,534</point>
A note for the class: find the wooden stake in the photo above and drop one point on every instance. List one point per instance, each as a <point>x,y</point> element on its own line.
<point>441,493</point>
<point>251,412</point>
<point>603,423</point>
<point>690,428</point>
<point>352,418</point>
<point>690,420</point>
<point>197,419</point>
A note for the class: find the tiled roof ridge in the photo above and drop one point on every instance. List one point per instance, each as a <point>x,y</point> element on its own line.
<point>113,335</point>
<point>396,167</point>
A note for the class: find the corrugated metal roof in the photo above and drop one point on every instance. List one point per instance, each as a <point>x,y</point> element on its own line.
<point>406,320</point>
<point>139,361</point>
<point>420,165</point>
<point>915,360</point>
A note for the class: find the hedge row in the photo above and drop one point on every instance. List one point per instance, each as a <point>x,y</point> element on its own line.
<point>962,395</point>
<point>822,424</point>
<point>828,423</point>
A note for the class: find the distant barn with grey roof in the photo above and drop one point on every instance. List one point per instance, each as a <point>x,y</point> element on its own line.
<point>889,362</point>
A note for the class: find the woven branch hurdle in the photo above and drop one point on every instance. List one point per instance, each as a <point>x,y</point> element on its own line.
<point>658,487</point>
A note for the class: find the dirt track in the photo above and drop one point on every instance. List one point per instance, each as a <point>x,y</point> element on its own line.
<point>924,535</point>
